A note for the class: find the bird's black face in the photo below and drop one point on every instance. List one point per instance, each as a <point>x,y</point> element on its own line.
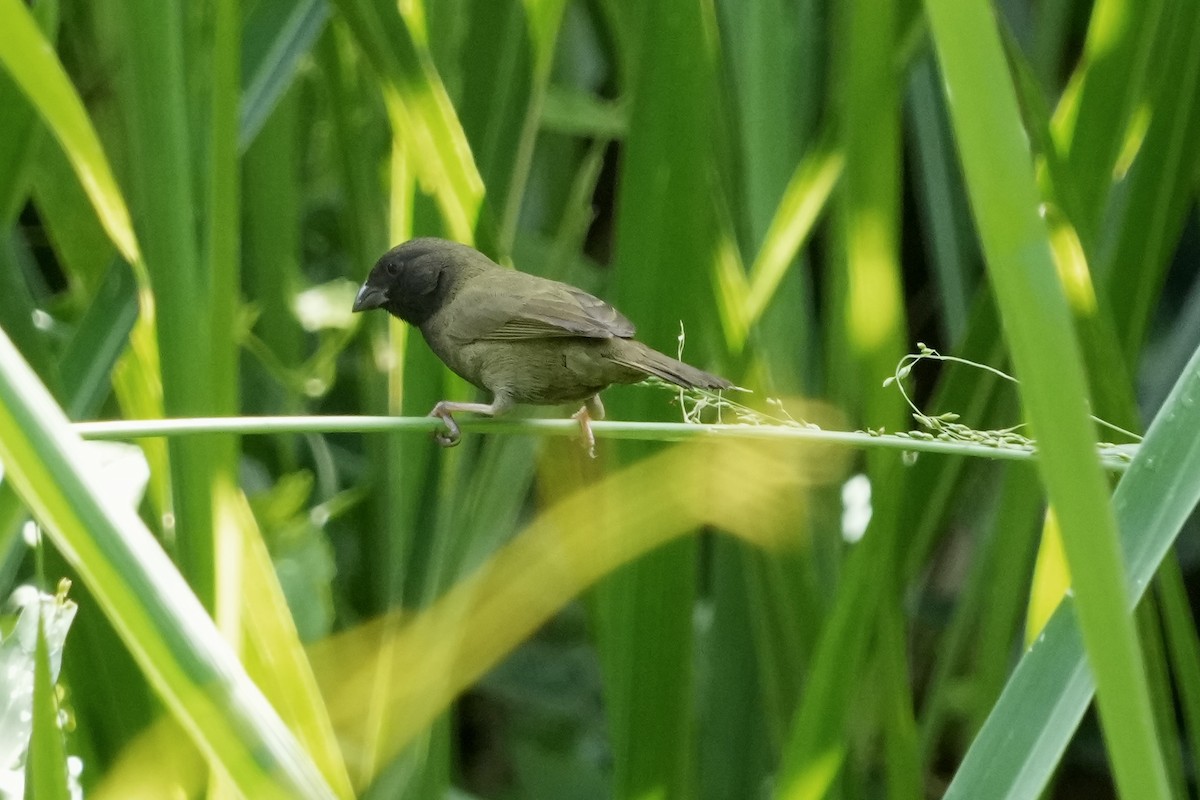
<point>407,281</point>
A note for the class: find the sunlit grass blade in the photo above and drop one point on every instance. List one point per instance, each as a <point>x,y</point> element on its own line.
<point>31,61</point>
<point>565,550</point>
<point>799,210</point>
<point>274,655</point>
<point>158,617</point>
<point>1151,208</point>
<point>420,110</point>
<point>1019,747</point>
<point>1099,110</point>
<point>19,132</point>
<point>1000,182</point>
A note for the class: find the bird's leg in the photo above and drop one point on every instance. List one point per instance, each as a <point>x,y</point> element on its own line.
<point>444,409</point>
<point>592,409</point>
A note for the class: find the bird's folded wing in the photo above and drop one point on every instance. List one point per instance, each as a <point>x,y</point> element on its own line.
<point>536,309</point>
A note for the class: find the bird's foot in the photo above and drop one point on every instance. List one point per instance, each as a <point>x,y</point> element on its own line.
<point>587,439</point>
<point>451,435</point>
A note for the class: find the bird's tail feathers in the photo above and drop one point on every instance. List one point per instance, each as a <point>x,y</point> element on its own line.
<point>640,357</point>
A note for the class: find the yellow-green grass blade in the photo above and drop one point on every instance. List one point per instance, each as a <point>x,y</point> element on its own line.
<point>274,655</point>
<point>20,133</point>
<point>30,60</point>
<point>156,614</point>
<point>567,548</point>
<point>421,112</point>
<point>1152,203</point>
<point>799,210</point>
<point>404,668</point>
<point>1099,113</point>
<point>999,173</point>
<point>1020,745</point>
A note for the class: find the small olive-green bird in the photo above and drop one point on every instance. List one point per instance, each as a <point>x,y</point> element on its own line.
<point>525,339</point>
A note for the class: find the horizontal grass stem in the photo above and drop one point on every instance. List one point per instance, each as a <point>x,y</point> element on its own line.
<point>1114,460</point>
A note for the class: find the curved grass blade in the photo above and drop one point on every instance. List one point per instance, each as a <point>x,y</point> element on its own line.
<point>997,164</point>
<point>1027,732</point>
<point>421,112</point>
<point>156,614</point>
<point>30,59</point>
<point>746,489</point>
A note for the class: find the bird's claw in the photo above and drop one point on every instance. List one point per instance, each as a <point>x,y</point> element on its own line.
<point>451,435</point>
<point>587,439</point>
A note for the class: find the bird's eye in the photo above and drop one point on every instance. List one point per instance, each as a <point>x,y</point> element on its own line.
<point>393,269</point>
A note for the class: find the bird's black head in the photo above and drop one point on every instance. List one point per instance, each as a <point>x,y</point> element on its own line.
<point>413,280</point>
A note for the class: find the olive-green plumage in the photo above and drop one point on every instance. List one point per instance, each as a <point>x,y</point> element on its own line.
<point>523,338</point>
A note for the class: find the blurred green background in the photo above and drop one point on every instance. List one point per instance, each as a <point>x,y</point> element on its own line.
<point>190,194</point>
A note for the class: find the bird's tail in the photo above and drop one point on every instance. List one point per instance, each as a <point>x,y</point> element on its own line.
<point>638,356</point>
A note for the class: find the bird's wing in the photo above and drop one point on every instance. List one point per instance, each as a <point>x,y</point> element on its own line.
<point>524,306</point>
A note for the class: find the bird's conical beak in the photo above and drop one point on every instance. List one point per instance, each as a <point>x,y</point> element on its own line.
<point>369,297</point>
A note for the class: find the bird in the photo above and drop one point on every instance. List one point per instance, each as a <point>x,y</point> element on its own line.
<point>525,339</point>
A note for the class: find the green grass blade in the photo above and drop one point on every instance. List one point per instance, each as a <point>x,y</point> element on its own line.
<point>938,183</point>
<point>86,363</point>
<point>1180,625</point>
<point>1021,743</point>
<point>866,340</point>
<point>158,617</point>
<point>46,768</point>
<point>81,245</point>
<point>1000,181</point>
<point>30,59</point>
<point>163,132</point>
<point>16,313</point>
<point>276,37</point>
<point>665,219</point>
